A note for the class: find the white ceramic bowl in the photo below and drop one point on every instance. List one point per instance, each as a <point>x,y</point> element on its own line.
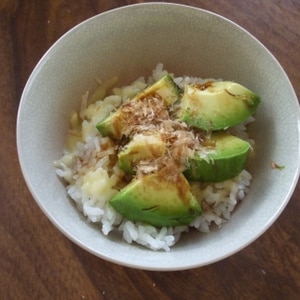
<point>129,42</point>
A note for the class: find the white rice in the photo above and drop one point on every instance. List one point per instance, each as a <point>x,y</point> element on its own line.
<point>92,179</point>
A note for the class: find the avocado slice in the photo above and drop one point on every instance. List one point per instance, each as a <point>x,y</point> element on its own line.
<point>227,159</point>
<point>164,89</point>
<point>157,201</point>
<point>146,146</point>
<point>111,125</point>
<point>217,105</point>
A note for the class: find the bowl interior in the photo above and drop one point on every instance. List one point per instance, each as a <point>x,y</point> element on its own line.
<point>129,42</point>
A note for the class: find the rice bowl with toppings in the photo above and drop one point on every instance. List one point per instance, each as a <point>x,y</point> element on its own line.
<point>93,175</point>
<point>121,48</point>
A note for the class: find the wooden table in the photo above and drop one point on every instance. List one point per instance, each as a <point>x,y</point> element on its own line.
<point>38,262</point>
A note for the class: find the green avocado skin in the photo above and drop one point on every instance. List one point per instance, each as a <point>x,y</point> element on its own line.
<point>227,160</point>
<point>157,202</point>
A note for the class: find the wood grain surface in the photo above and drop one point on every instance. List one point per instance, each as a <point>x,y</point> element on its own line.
<point>38,262</point>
